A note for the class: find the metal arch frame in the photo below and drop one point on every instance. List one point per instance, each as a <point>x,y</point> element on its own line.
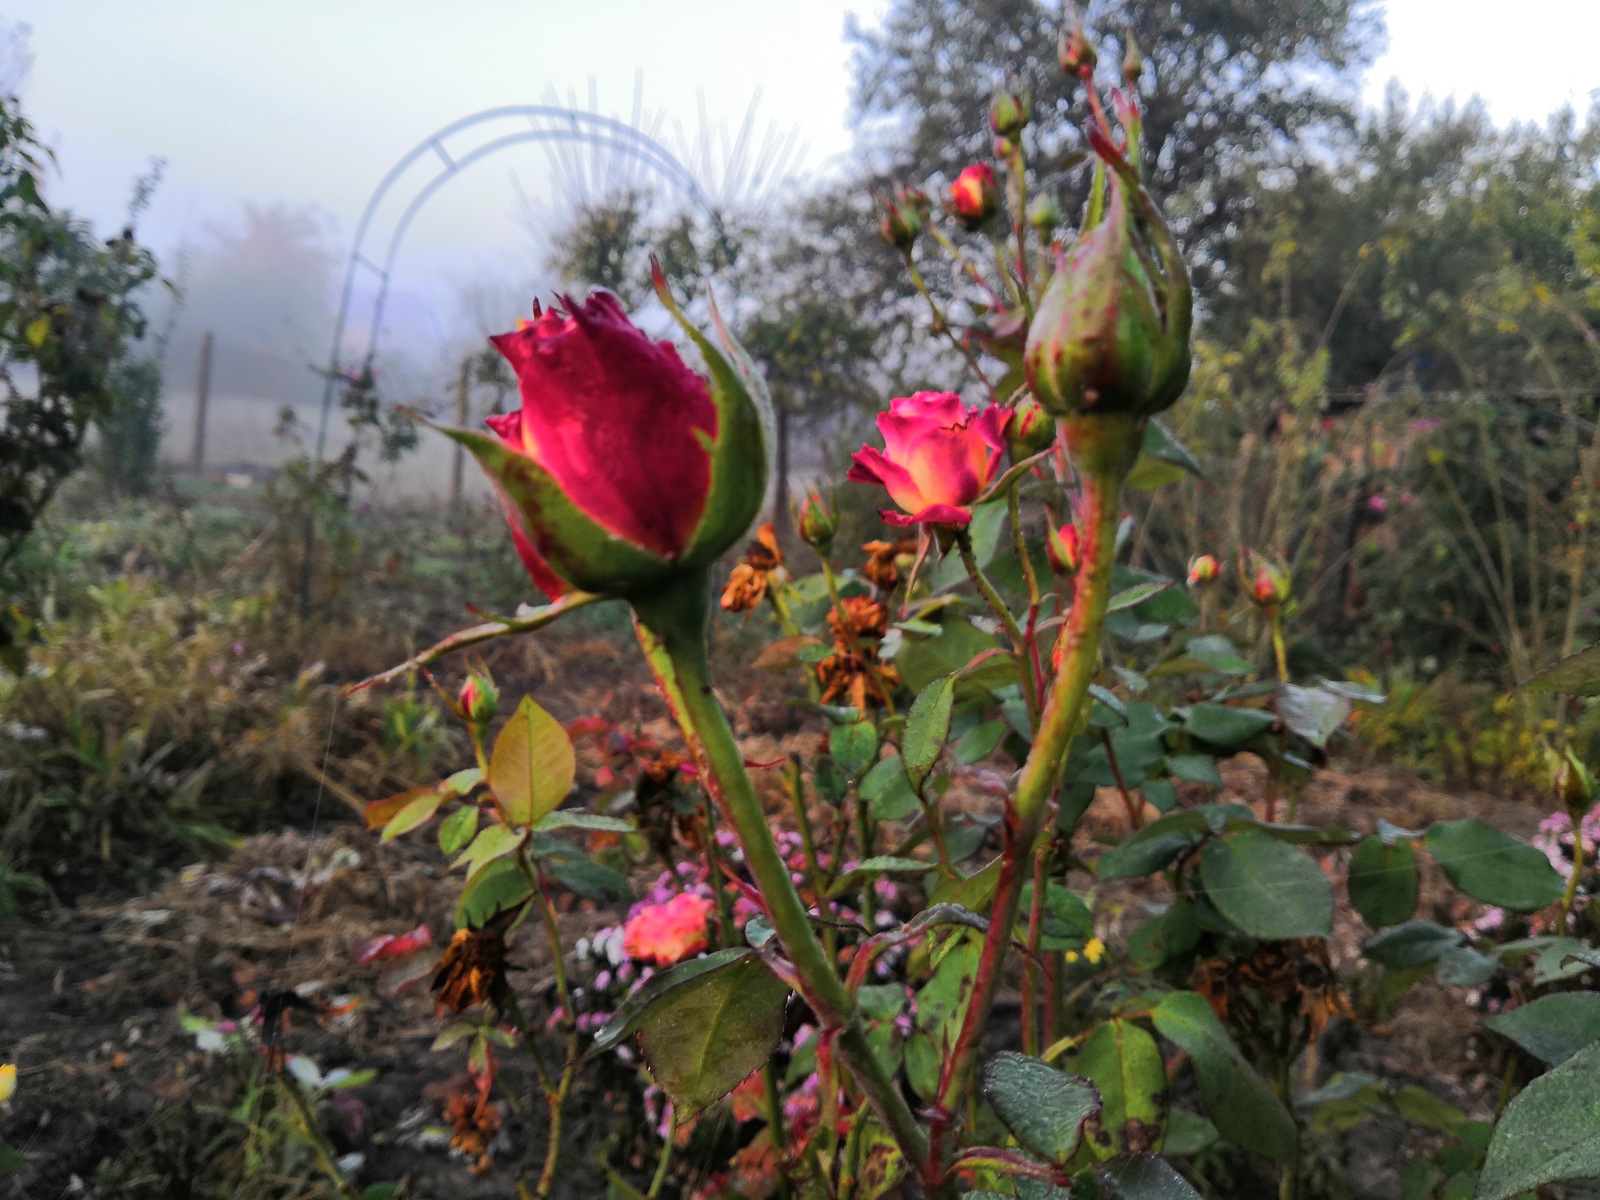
<point>547,123</point>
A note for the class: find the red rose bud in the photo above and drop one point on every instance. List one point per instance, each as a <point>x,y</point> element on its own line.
<point>1111,334</point>
<point>479,701</point>
<point>1010,110</point>
<point>1032,430</point>
<point>937,457</point>
<point>974,197</point>
<point>817,524</point>
<point>1064,548</point>
<point>1268,582</point>
<point>1044,214</point>
<point>1074,50</point>
<point>900,221</point>
<point>623,468</point>
<point>1203,568</point>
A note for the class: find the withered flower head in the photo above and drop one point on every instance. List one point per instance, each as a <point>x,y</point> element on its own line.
<point>859,679</point>
<point>750,579</point>
<point>882,570</point>
<point>473,968</point>
<point>862,617</point>
<point>473,1122</point>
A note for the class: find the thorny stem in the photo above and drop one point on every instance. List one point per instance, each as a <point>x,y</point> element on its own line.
<point>1019,643</point>
<point>1135,819</point>
<point>555,1096</point>
<point>1018,170</point>
<point>1104,448</point>
<point>671,629</point>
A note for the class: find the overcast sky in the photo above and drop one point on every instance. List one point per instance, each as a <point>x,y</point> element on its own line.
<point>310,101</point>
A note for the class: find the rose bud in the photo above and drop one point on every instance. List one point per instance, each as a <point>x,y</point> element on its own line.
<point>1044,214</point>
<point>1031,431</point>
<point>974,197</point>
<point>816,523</point>
<point>478,700</point>
<point>937,457</point>
<point>1268,583</point>
<point>1074,50</point>
<point>1111,334</point>
<point>624,469</point>
<point>1203,568</point>
<point>1132,64</point>
<point>1064,548</point>
<point>1010,110</point>
<point>1574,785</point>
<point>900,222</point>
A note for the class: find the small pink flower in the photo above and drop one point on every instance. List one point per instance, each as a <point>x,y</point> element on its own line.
<point>1377,503</point>
<point>667,933</point>
<point>937,457</point>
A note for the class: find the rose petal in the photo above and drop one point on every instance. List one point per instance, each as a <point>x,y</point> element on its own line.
<point>616,419</point>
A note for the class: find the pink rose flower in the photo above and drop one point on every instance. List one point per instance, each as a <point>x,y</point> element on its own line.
<point>667,933</point>
<point>937,458</point>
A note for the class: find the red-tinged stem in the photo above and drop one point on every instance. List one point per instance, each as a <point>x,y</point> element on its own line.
<point>1103,448</point>
<point>1030,968</point>
<point>671,627</point>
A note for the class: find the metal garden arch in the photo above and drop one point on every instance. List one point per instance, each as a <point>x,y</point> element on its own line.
<point>458,146</point>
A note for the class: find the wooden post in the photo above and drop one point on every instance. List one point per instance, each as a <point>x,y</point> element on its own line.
<point>202,396</point>
<point>457,465</point>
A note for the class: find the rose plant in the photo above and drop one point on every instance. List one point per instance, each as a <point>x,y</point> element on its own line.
<point>1018,794</point>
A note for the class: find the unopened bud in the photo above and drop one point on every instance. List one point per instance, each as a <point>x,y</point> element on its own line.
<point>1268,582</point>
<point>478,700</point>
<point>899,219</point>
<point>1064,548</point>
<point>1044,214</point>
<point>1031,430</point>
<point>1010,110</point>
<point>1111,333</point>
<point>974,197</point>
<point>1074,49</point>
<point>1132,63</point>
<point>817,524</point>
<point>1203,569</point>
<point>1574,785</point>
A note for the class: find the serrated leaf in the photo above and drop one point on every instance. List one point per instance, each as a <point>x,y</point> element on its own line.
<point>1383,881</point>
<point>419,811</point>
<point>1124,1063</point>
<point>501,885</point>
<point>494,842</point>
<point>927,727</point>
<point>1576,675</point>
<point>1266,888</point>
<point>854,747</point>
<point>1552,1028</point>
<point>1313,713</point>
<point>704,1037</point>
<point>1045,1109</point>
<point>1226,727</point>
<point>1549,1133</point>
<point>569,818</point>
<point>1147,1177</point>
<point>533,764</point>
<point>887,791</point>
<point>1160,442</point>
<point>1493,866</point>
<point>1239,1101</point>
<point>456,830</point>
<point>1136,595</point>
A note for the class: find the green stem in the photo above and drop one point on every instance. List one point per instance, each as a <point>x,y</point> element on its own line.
<point>671,629</point>
<point>319,1143</point>
<point>1104,448</point>
<point>992,598</point>
<point>1571,893</point>
<point>665,1160</point>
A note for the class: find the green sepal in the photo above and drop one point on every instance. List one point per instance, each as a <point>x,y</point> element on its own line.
<point>579,549</point>
<point>741,453</point>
